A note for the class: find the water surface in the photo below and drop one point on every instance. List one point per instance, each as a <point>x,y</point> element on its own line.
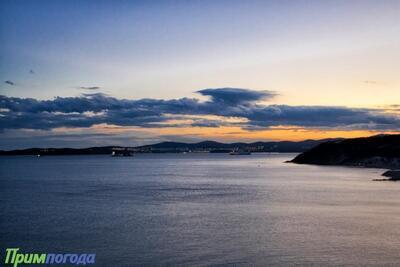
<point>199,210</point>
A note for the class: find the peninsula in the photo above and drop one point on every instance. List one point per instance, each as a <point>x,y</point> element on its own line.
<point>380,151</point>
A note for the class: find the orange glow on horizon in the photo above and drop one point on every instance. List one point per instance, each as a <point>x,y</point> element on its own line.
<point>232,133</point>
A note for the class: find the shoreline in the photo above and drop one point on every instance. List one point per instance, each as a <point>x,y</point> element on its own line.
<point>392,174</point>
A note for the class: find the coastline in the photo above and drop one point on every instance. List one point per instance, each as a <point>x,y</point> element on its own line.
<point>379,151</point>
<point>392,172</point>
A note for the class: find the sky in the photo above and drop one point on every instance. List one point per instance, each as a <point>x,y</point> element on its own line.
<point>87,73</point>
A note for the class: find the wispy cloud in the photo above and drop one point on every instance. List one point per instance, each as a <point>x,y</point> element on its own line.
<point>89,87</point>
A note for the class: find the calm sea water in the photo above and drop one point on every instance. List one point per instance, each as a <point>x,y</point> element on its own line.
<point>198,210</point>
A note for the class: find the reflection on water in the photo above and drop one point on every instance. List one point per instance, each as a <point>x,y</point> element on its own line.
<point>199,209</point>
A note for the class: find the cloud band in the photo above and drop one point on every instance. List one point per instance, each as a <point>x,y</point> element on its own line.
<point>91,109</point>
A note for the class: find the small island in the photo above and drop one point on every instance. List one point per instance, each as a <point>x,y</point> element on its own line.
<point>380,151</point>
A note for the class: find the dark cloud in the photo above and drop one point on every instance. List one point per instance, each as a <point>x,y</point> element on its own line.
<point>322,117</point>
<point>89,87</point>
<point>10,83</point>
<point>91,109</point>
<point>86,111</point>
<point>236,95</point>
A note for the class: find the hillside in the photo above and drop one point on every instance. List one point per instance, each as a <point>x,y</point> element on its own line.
<point>380,151</point>
<point>217,147</point>
<point>176,147</point>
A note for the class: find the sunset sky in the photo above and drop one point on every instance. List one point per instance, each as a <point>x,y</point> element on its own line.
<point>88,73</point>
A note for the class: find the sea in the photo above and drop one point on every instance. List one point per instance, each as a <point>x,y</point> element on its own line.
<point>199,209</point>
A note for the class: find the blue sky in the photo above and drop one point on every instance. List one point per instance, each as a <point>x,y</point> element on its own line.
<point>311,53</point>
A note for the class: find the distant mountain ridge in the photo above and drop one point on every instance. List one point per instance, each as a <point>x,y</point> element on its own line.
<point>380,151</point>
<point>215,147</point>
<point>177,147</point>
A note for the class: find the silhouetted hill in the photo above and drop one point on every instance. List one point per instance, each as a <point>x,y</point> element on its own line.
<point>216,147</point>
<point>176,147</point>
<point>380,151</point>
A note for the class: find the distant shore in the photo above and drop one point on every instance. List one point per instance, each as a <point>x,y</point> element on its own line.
<point>176,147</point>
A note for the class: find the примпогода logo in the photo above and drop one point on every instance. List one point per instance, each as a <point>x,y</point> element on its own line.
<point>14,258</point>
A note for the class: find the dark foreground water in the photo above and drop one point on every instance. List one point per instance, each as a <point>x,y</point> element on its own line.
<point>199,209</point>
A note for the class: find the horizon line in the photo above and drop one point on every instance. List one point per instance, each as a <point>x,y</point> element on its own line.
<point>193,143</point>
